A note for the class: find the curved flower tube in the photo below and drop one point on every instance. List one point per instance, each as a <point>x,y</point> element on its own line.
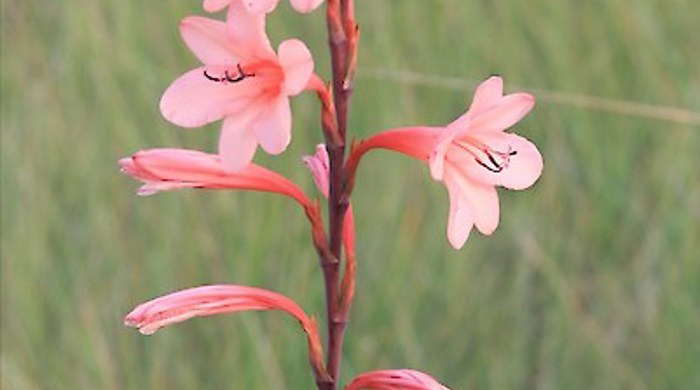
<point>395,380</point>
<point>203,301</point>
<point>170,169</point>
<point>261,6</point>
<point>470,156</point>
<point>242,81</point>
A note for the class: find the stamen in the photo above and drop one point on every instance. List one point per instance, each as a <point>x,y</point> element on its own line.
<point>227,77</point>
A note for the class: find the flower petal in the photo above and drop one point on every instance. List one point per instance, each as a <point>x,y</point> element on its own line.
<point>403,379</point>
<point>215,5</point>
<point>459,221</point>
<point>487,95</point>
<point>248,29</point>
<point>481,199</point>
<point>306,6</point>
<point>193,101</point>
<point>208,40</point>
<point>523,168</point>
<point>237,142</point>
<point>507,112</point>
<point>273,126</point>
<point>208,300</point>
<point>260,6</point>
<point>297,64</point>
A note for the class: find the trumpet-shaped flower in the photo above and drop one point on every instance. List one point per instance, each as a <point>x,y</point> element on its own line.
<point>169,169</point>
<point>471,156</point>
<point>261,6</point>
<point>242,81</point>
<point>202,301</point>
<point>395,380</point>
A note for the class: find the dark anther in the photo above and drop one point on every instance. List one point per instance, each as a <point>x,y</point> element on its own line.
<point>492,169</point>
<point>212,78</point>
<point>512,152</point>
<point>228,77</point>
<point>493,160</point>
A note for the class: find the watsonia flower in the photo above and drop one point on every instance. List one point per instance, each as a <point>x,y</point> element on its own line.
<point>471,156</point>
<point>242,81</point>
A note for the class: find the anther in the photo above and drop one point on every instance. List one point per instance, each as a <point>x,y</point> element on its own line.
<point>498,168</point>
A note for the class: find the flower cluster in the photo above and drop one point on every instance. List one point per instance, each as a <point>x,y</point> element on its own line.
<point>244,83</point>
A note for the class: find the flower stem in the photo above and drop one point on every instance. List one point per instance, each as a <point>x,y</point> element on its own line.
<point>342,43</point>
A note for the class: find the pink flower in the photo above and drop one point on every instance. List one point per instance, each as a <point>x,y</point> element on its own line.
<point>242,82</point>
<point>220,299</point>
<point>395,380</point>
<point>262,6</point>
<point>471,156</point>
<point>169,169</point>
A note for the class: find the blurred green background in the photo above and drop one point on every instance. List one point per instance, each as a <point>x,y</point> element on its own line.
<point>592,279</point>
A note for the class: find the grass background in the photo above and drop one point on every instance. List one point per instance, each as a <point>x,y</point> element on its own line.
<point>591,281</point>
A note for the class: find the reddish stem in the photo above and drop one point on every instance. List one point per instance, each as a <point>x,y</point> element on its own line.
<point>342,43</point>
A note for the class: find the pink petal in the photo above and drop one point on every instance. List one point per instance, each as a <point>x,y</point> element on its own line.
<point>260,6</point>
<point>319,166</point>
<point>208,40</point>
<point>209,300</point>
<point>169,169</point>
<point>248,31</point>
<point>297,64</point>
<point>215,5</point>
<point>306,6</point>
<point>437,157</point>
<point>487,95</point>
<point>459,221</point>
<point>403,379</point>
<point>523,168</point>
<point>237,142</point>
<point>273,126</point>
<point>481,199</point>
<point>509,110</point>
<point>192,100</point>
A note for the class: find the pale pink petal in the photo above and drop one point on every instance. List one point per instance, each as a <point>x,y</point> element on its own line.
<point>319,166</point>
<point>509,110</point>
<point>215,5</point>
<point>248,30</point>
<point>306,6</point>
<point>460,220</point>
<point>237,142</point>
<point>482,200</point>
<point>273,126</point>
<point>209,41</point>
<point>193,101</point>
<point>297,64</point>
<point>444,143</point>
<point>487,95</point>
<point>260,6</point>
<point>521,170</point>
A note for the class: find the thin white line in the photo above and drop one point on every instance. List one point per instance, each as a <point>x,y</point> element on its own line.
<point>623,107</point>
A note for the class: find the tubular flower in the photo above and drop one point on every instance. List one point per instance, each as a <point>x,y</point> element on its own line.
<point>170,169</point>
<point>395,380</point>
<point>471,156</point>
<point>242,81</point>
<point>262,6</point>
<point>203,301</point>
